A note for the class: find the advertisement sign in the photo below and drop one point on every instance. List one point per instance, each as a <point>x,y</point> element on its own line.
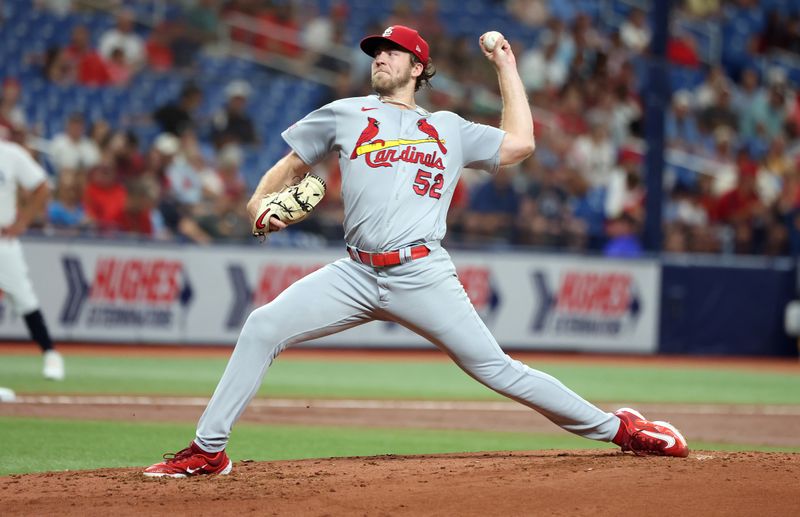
<point>91,291</point>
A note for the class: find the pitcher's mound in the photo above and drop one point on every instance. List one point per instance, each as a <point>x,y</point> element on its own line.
<point>594,483</point>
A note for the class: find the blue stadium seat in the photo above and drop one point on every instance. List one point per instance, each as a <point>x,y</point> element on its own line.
<point>590,7</point>
<point>685,78</point>
<point>449,7</point>
<point>735,36</point>
<point>10,11</point>
<point>784,7</point>
<point>753,19</point>
<point>146,133</point>
<point>564,11</point>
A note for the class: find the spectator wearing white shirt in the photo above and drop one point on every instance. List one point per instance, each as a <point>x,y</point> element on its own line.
<point>317,33</point>
<point>634,31</point>
<point>123,36</point>
<point>540,68</point>
<point>725,172</point>
<point>185,174</point>
<point>226,181</point>
<point>626,192</point>
<point>707,92</point>
<point>72,149</point>
<point>565,43</point>
<point>594,155</point>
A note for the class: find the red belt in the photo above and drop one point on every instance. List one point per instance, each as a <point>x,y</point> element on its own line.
<point>389,258</point>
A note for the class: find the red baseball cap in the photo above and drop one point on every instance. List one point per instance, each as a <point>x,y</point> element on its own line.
<point>405,37</point>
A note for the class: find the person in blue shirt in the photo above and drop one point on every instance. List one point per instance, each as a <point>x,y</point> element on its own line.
<point>623,239</point>
<point>66,210</point>
<point>681,128</point>
<point>493,208</point>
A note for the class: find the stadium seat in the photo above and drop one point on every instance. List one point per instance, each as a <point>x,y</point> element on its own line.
<point>682,78</point>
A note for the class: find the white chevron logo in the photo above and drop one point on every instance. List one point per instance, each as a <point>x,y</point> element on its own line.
<point>667,438</point>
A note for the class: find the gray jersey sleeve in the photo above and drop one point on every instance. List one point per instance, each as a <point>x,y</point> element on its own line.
<point>481,145</point>
<point>313,137</point>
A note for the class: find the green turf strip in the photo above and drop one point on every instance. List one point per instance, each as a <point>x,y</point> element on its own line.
<point>77,445</point>
<point>398,380</point>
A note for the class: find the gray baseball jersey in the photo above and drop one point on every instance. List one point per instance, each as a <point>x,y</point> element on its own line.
<point>399,167</point>
<point>399,170</point>
<point>17,169</point>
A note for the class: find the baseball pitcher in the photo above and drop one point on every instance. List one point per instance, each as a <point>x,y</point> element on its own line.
<point>400,165</point>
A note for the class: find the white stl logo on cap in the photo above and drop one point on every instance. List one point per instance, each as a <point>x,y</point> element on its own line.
<point>387,32</point>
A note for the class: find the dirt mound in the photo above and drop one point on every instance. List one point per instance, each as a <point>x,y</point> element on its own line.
<point>595,483</point>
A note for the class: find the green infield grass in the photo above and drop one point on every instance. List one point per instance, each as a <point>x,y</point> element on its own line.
<point>53,445</point>
<point>424,380</point>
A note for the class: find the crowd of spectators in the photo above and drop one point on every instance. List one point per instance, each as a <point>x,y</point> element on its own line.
<point>732,185</point>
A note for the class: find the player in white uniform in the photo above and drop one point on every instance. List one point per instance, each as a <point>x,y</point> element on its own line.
<point>19,169</point>
<point>400,165</point>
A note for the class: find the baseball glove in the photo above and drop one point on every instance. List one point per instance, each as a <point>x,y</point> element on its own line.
<point>290,205</point>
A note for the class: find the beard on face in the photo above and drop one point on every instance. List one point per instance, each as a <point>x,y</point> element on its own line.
<point>386,84</point>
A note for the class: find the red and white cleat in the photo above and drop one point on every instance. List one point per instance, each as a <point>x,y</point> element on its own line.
<point>643,437</point>
<point>191,461</point>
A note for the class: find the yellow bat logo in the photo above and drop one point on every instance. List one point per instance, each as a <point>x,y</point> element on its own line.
<point>377,146</point>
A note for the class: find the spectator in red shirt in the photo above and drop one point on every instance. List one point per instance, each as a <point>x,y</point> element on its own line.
<point>681,50</point>
<point>279,19</point>
<point>91,67</point>
<point>119,70</point>
<point>159,53</point>
<point>570,115</point>
<point>233,13</point>
<point>741,208</point>
<point>129,161</point>
<point>105,197</point>
<point>705,195</point>
<point>794,115</point>
<point>137,216</point>
<point>741,203</point>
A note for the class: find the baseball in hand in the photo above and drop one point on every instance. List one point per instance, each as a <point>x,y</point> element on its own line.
<point>490,40</point>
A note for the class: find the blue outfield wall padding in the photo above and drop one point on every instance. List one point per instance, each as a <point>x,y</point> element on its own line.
<point>714,310</point>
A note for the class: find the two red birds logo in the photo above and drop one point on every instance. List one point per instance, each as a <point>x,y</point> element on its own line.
<point>371,131</point>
